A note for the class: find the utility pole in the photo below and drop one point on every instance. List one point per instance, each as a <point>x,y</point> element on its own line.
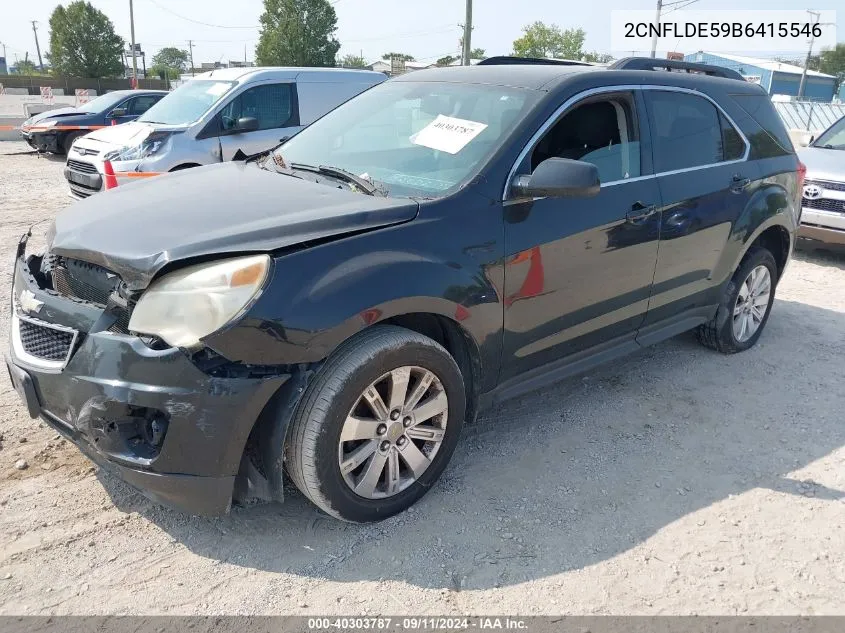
<point>37,47</point>
<point>809,55</point>
<point>467,51</point>
<point>132,33</point>
<point>657,25</point>
<point>191,48</point>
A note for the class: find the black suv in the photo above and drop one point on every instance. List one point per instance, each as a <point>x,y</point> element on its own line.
<point>339,307</point>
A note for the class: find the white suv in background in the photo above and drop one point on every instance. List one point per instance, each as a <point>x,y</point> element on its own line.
<point>823,204</point>
<point>217,116</point>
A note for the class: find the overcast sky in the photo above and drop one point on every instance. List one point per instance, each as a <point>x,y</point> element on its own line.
<point>427,29</point>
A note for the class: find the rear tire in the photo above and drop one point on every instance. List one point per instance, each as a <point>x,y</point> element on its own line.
<point>388,366</point>
<point>745,307</point>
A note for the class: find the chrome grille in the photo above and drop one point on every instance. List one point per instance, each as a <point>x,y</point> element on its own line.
<point>78,165</point>
<point>45,342</point>
<point>826,184</point>
<point>824,204</point>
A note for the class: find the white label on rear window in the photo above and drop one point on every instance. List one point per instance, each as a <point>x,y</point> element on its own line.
<point>217,89</point>
<point>448,134</point>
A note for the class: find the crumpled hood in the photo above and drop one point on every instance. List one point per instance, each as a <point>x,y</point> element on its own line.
<point>128,134</point>
<point>54,113</point>
<point>823,164</point>
<point>137,229</point>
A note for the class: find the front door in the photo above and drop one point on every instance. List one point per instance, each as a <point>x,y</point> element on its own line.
<point>705,184</point>
<point>273,105</point>
<point>578,271</point>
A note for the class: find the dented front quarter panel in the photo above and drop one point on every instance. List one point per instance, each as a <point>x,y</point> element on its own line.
<point>448,261</point>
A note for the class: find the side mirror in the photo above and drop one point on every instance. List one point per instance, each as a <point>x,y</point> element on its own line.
<point>559,178</point>
<point>246,124</point>
<point>117,112</point>
<point>806,139</point>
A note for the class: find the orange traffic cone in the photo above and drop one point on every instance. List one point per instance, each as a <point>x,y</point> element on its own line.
<point>111,179</point>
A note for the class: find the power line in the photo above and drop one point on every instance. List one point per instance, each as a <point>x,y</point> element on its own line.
<point>686,3</point>
<point>216,26</point>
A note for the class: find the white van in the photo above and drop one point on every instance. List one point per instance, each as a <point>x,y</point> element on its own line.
<point>220,115</point>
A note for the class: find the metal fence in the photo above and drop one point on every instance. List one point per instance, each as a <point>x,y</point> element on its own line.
<point>33,83</point>
<point>809,115</point>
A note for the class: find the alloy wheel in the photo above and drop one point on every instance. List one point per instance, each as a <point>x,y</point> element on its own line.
<point>393,432</point>
<point>751,303</point>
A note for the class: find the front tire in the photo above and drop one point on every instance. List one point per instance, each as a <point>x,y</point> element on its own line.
<point>745,307</point>
<point>377,426</point>
<point>67,142</point>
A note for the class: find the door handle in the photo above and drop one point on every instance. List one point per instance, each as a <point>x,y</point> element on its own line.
<point>738,183</point>
<point>639,212</point>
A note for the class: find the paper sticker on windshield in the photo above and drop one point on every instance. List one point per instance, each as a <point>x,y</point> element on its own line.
<point>448,134</point>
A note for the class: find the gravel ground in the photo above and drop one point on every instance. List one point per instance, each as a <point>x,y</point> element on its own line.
<point>678,481</point>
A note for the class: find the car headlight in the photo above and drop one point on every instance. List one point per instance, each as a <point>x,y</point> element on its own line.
<point>186,305</point>
<point>42,124</point>
<point>149,146</point>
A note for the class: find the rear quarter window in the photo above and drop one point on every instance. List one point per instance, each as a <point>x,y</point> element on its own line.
<point>771,138</point>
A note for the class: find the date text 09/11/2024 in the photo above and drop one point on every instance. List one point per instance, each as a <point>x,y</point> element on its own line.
<point>415,624</point>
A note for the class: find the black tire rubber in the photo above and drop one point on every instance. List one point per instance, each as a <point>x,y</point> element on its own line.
<point>718,334</point>
<point>68,140</point>
<point>311,447</point>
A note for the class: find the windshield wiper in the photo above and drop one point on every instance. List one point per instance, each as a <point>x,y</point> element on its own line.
<point>341,174</point>
<point>262,158</point>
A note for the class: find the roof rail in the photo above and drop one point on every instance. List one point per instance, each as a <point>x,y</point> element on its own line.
<point>650,63</point>
<point>507,60</point>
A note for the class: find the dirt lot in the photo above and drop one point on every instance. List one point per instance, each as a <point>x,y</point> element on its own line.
<point>677,481</point>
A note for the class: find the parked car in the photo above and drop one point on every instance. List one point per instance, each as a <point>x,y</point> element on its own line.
<point>340,306</point>
<point>53,130</point>
<point>823,214</point>
<point>220,115</point>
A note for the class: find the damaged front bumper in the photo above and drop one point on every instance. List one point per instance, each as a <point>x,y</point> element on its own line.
<point>151,416</point>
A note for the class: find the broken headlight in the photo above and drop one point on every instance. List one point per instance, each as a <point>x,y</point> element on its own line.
<point>149,146</point>
<point>189,304</point>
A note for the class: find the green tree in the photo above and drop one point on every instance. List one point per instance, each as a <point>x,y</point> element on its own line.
<point>297,33</point>
<point>170,62</point>
<point>445,61</point>
<point>26,67</point>
<point>832,62</point>
<point>597,58</point>
<point>542,40</point>
<point>477,53</point>
<point>353,61</point>
<point>83,42</point>
<point>402,56</point>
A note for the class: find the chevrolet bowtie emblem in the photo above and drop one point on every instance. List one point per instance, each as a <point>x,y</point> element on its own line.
<point>28,302</point>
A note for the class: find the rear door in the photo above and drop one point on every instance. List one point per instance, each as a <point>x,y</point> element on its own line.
<point>705,181</point>
<point>275,107</point>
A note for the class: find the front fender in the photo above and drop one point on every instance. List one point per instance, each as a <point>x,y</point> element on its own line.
<point>321,296</point>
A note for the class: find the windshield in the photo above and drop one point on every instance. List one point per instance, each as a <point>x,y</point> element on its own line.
<point>833,137</point>
<point>412,139</point>
<point>188,102</point>
<point>103,102</point>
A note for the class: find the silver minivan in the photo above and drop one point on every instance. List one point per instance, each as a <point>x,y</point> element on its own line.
<point>217,116</point>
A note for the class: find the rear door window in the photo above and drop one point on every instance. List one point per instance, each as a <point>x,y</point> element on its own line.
<point>271,104</point>
<point>773,139</point>
<point>686,131</point>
